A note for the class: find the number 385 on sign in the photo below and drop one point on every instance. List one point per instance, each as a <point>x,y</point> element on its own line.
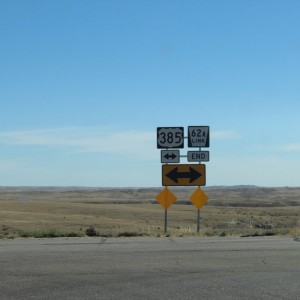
<point>170,137</point>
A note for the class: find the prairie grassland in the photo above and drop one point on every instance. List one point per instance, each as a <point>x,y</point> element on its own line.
<point>114,212</point>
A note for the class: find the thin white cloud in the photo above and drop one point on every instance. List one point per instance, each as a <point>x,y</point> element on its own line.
<point>225,135</point>
<point>8,165</point>
<point>86,139</point>
<point>295,147</point>
<point>133,144</point>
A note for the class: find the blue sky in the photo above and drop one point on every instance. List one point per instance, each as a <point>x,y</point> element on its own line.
<point>85,84</point>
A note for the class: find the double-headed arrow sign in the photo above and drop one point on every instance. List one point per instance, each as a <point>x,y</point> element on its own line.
<point>170,156</point>
<point>183,175</point>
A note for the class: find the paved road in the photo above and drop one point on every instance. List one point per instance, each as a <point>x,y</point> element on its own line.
<point>150,268</point>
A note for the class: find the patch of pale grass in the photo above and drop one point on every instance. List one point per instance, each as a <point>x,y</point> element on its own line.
<point>39,217</point>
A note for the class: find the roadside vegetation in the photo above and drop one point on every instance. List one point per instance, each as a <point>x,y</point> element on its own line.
<point>62,212</point>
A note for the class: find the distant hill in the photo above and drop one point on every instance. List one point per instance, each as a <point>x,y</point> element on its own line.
<point>242,195</point>
<point>232,187</point>
<point>254,196</point>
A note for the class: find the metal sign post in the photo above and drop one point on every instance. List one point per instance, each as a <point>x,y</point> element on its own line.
<point>166,220</point>
<point>198,221</point>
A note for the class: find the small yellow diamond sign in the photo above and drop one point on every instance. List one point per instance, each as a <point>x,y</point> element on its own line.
<point>199,198</point>
<point>166,198</point>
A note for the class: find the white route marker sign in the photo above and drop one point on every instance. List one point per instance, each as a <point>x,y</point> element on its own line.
<point>170,137</point>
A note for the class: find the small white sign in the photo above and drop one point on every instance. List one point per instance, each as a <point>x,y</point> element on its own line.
<point>194,156</point>
<point>170,156</point>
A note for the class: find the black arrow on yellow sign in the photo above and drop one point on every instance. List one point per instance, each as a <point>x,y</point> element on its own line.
<point>193,175</point>
<point>183,175</point>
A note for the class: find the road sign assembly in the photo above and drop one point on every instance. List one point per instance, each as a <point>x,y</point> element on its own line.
<point>174,174</point>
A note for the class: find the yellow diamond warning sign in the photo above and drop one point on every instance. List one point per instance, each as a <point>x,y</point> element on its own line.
<point>199,198</point>
<point>166,198</point>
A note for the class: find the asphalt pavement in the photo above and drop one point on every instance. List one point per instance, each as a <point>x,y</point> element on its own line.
<point>150,268</point>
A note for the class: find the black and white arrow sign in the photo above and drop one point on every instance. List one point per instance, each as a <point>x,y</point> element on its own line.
<point>170,156</point>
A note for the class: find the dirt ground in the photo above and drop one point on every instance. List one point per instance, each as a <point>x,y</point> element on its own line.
<point>229,211</point>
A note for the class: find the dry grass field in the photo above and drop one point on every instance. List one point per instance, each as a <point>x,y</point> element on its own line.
<point>133,212</point>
